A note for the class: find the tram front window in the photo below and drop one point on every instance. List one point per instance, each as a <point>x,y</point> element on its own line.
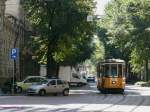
<point>114,70</point>
<point>111,70</point>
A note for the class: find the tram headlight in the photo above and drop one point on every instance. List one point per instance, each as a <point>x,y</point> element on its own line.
<point>113,82</point>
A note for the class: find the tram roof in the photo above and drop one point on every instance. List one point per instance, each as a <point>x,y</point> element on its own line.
<point>113,61</point>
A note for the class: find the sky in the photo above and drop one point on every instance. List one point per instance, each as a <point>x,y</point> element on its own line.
<point>100,6</point>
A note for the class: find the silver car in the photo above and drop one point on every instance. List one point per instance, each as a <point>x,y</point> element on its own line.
<point>49,86</point>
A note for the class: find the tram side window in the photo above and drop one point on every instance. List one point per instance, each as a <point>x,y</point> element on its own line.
<point>124,70</point>
<point>103,70</point>
<point>107,70</point>
<point>114,70</point>
<point>98,71</point>
<point>120,70</point>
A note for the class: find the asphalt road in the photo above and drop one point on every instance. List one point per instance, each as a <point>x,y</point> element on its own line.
<point>83,99</point>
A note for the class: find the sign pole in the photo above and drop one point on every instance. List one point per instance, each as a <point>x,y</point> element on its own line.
<point>13,78</point>
<point>14,53</point>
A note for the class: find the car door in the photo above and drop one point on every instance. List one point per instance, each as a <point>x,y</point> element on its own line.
<point>60,85</point>
<point>51,86</point>
<point>27,83</point>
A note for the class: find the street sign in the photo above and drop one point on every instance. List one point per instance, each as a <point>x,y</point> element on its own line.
<point>14,53</point>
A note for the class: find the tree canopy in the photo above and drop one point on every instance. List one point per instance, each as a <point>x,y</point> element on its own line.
<point>126,24</point>
<point>63,33</point>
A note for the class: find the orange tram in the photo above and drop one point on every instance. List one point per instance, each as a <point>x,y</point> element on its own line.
<point>111,76</point>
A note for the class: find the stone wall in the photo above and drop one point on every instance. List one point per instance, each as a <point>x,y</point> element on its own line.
<point>11,37</point>
<point>14,35</point>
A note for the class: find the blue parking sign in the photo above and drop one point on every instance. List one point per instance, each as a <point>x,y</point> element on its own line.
<point>14,53</point>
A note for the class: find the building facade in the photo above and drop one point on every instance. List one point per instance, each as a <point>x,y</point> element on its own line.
<point>13,34</point>
<point>2,16</point>
<point>2,11</point>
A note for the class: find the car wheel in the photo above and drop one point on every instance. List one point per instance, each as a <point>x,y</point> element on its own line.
<point>66,92</point>
<point>42,92</point>
<point>19,90</point>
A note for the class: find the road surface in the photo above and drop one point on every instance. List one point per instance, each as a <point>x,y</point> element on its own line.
<point>83,99</point>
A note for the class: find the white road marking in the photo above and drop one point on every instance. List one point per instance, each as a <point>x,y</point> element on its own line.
<point>8,110</point>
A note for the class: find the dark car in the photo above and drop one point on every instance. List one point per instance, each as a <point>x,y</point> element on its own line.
<point>90,79</point>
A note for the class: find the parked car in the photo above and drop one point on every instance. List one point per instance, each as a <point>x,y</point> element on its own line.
<point>50,86</point>
<point>30,80</point>
<point>91,79</point>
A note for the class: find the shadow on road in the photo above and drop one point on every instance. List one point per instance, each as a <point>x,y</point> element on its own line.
<point>84,95</point>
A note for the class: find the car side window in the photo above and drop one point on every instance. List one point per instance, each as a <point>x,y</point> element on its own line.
<point>29,80</point>
<point>53,82</point>
<point>38,79</point>
<point>60,82</point>
<point>42,80</point>
<point>32,80</point>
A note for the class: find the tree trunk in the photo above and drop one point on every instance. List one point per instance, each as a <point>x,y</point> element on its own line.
<point>51,64</point>
<point>52,68</point>
<point>57,71</point>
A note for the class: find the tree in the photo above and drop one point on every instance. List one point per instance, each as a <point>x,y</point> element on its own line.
<point>62,30</point>
<point>111,50</point>
<point>127,23</point>
<point>99,52</point>
<point>140,19</point>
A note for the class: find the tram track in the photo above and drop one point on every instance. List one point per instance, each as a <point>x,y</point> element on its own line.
<point>124,101</point>
<point>108,98</point>
<point>139,104</point>
<point>110,106</point>
<point>114,100</point>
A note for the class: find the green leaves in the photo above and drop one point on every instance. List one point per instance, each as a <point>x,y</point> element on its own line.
<point>62,29</point>
<point>127,23</point>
